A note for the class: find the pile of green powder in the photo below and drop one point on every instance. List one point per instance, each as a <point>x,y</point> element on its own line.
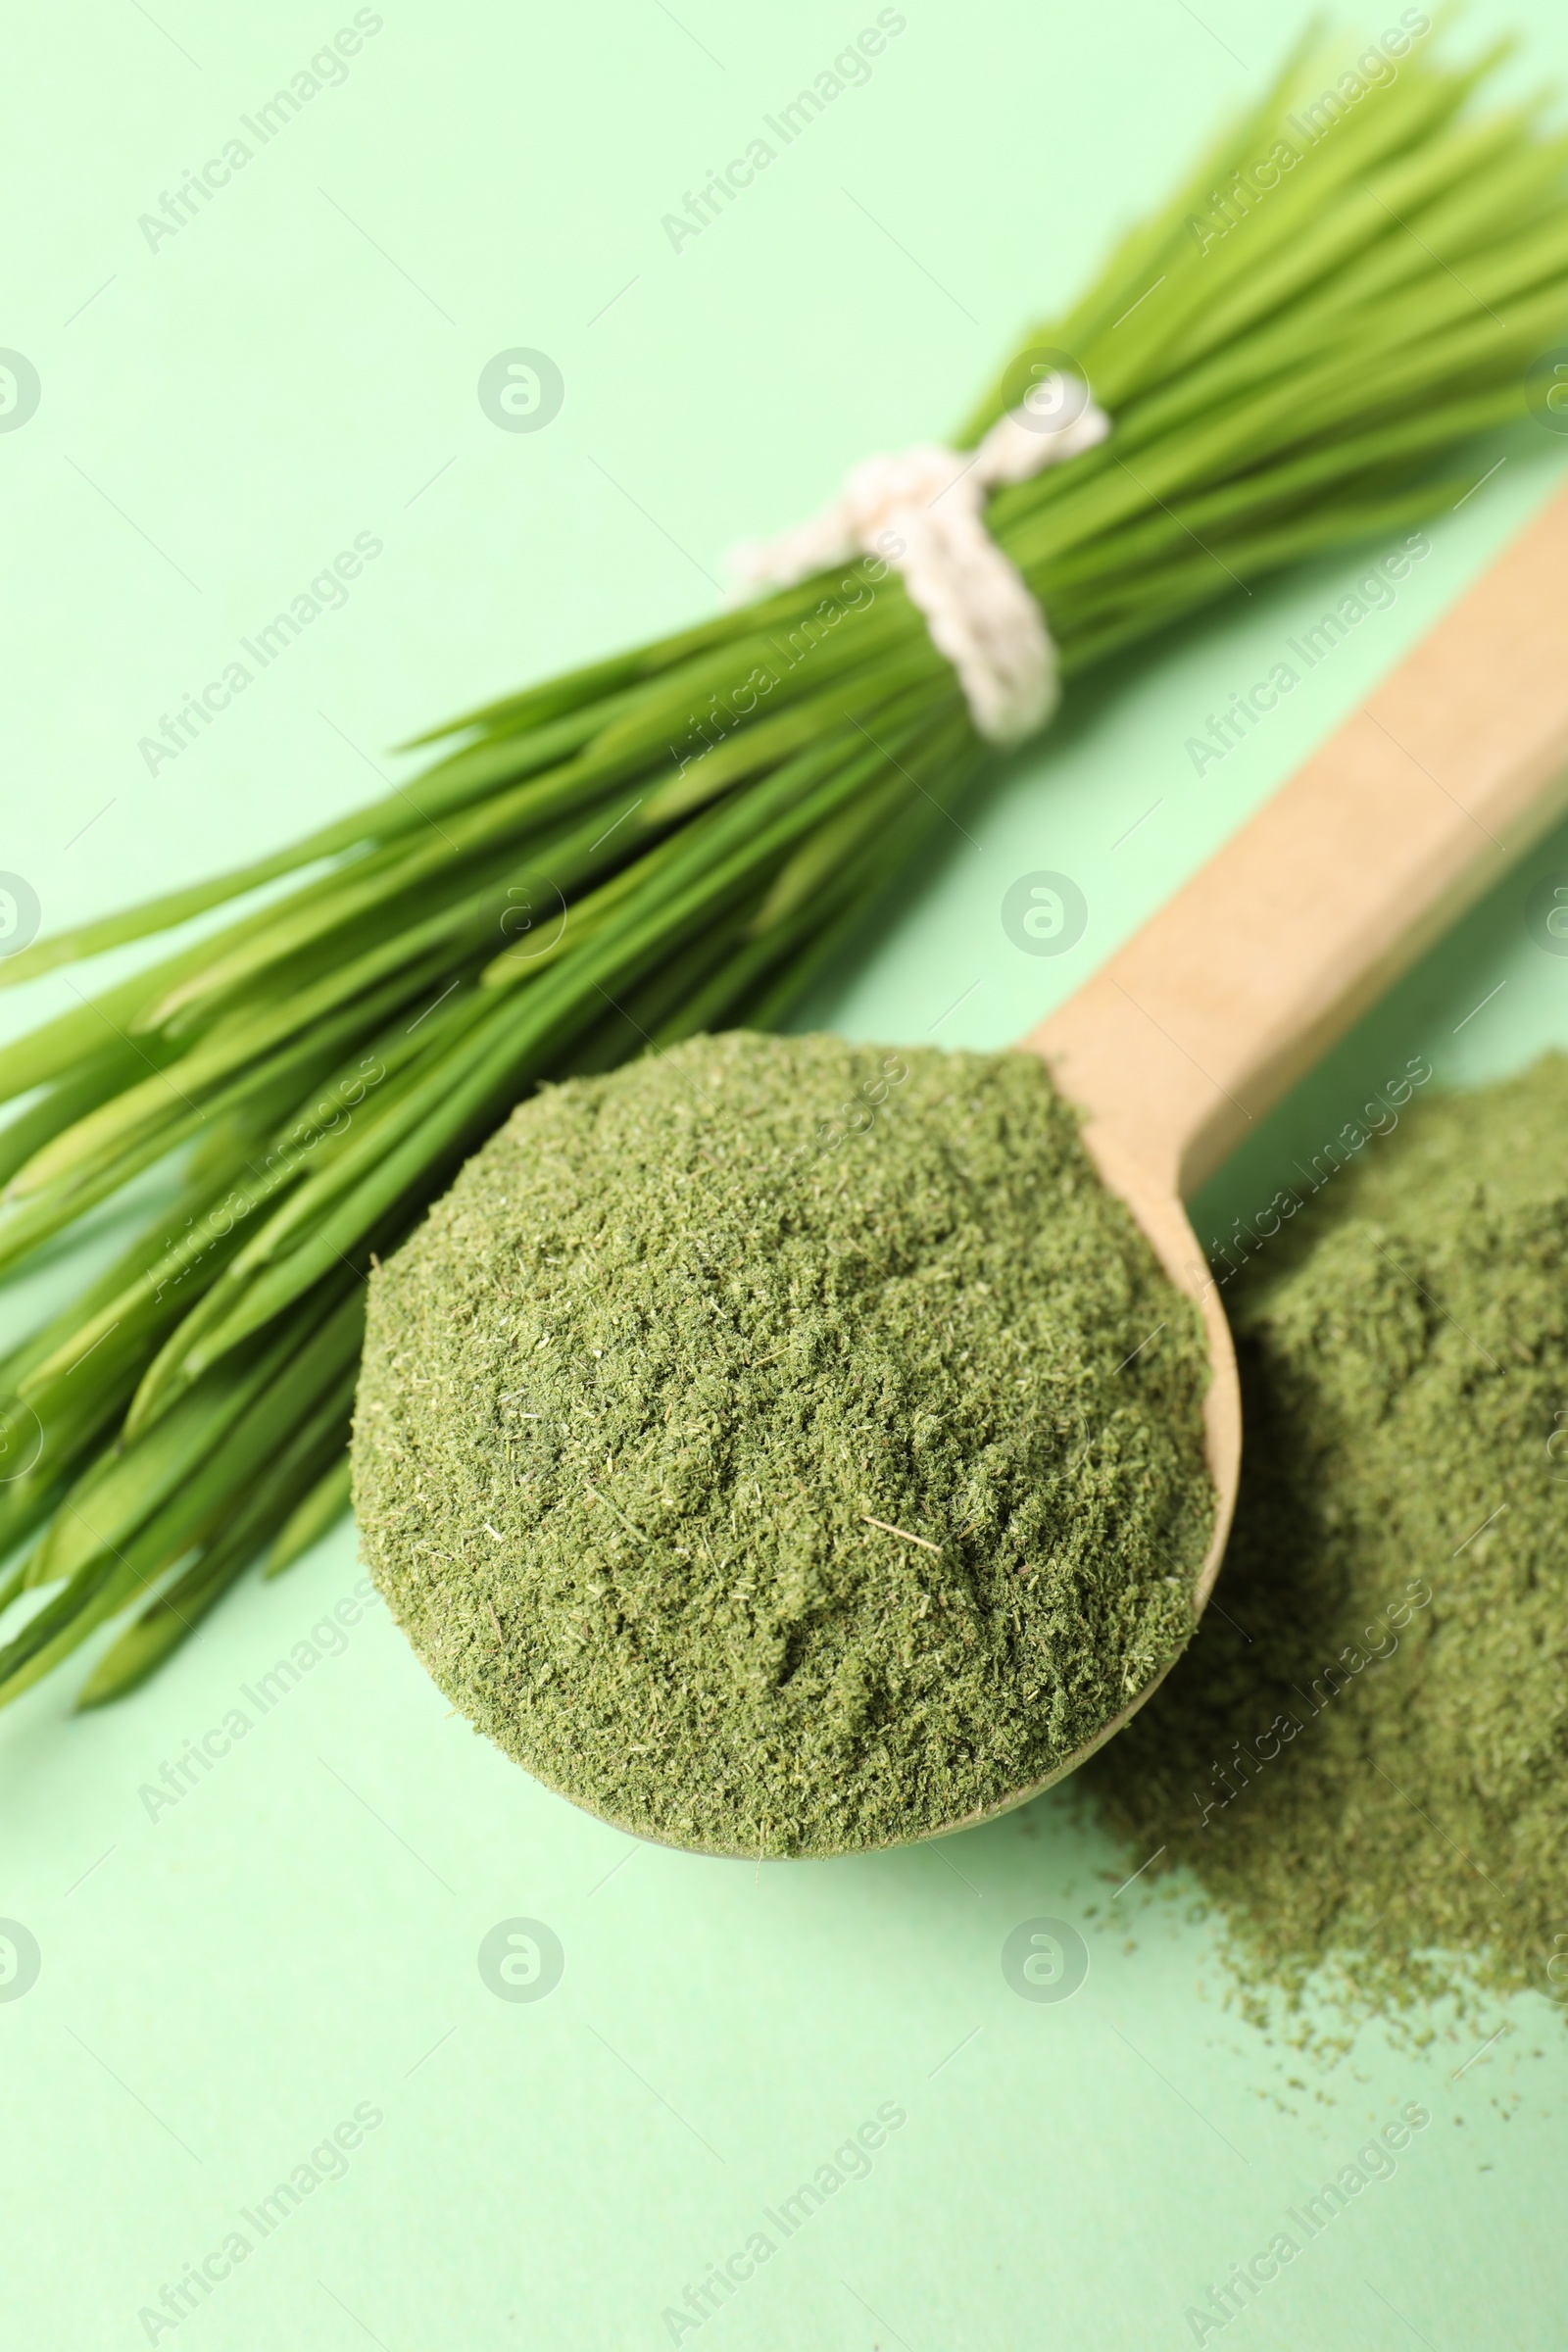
<point>1365,1754</point>
<point>781,1446</point>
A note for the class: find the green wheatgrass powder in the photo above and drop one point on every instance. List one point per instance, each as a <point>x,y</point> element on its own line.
<point>637,1393</point>
<point>1364,1756</point>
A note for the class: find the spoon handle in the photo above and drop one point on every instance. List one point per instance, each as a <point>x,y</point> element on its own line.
<point>1449,771</point>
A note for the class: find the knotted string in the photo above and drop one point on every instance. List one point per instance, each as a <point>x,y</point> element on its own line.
<point>922,510</point>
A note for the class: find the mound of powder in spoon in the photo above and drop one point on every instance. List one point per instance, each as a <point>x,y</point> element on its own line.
<point>782,1445</point>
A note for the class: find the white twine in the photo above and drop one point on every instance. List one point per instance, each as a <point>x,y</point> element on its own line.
<point>920,510</point>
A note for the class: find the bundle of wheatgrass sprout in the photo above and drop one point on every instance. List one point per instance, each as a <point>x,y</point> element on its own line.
<point>1352,283</point>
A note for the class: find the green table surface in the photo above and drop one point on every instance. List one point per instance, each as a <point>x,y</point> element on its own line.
<point>228,1978</point>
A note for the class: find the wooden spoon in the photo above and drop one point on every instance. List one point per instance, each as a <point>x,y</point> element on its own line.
<point>1446,777</point>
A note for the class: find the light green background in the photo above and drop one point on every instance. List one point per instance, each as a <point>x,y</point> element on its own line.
<point>224,1984</point>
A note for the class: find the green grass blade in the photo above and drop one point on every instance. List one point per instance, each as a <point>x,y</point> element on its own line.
<point>309,1520</point>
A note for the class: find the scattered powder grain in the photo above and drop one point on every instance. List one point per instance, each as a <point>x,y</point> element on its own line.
<point>1365,1754</point>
